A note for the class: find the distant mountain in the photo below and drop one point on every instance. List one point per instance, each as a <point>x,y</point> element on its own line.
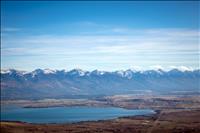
<point>48,83</point>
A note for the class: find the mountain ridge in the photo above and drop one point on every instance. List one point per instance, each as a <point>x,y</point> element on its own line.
<point>46,83</point>
<point>97,72</point>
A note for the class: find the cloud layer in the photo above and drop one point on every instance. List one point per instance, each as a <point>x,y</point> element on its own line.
<point>114,48</point>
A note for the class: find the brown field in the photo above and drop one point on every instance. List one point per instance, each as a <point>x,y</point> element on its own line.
<point>157,102</point>
<point>168,121</point>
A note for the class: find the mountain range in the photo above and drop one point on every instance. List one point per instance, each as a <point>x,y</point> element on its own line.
<point>77,83</point>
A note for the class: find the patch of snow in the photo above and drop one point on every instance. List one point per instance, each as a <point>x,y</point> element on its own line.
<point>48,71</point>
<point>5,71</point>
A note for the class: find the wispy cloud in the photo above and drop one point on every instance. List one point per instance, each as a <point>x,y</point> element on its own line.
<point>148,47</point>
<point>10,29</point>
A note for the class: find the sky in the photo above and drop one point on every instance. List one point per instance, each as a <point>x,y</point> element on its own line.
<point>100,35</point>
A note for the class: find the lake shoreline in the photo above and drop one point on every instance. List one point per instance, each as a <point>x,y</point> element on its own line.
<point>125,117</point>
<point>164,120</point>
<point>173,114</point>
<point>59,115</point>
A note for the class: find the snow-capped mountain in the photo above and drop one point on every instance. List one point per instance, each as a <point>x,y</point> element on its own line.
<point>77,72</point>
<point>49,83</point>
<point>121,73</point>
<point>127,73</point>
<point>13,71</point>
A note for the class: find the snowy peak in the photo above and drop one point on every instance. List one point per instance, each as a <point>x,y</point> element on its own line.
<point>49,71</point>
<point>6,71</point>
<point>129,74</point>
<point>182,68</point>
<point>13,71</point>
<point>77,72</point>
<point>97,72</point>
<point>45,71</point>
<point>37,71</point>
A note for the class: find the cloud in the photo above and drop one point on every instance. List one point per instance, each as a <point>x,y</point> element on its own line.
<point>145,47</point>
<point>10,29</point>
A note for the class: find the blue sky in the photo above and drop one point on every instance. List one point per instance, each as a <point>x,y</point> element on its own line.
<point>99,35</point>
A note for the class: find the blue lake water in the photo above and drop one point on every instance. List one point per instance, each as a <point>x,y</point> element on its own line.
<point>67,114</point>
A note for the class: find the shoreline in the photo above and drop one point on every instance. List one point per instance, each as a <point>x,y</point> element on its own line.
<point>149,112</point>
<point>165,121</point>
<point>103,120</point>
<point>157,112</point>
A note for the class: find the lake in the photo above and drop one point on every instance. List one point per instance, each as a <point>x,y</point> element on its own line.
<point>67,114</point>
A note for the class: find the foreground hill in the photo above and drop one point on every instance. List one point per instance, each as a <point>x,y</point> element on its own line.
<point>47,83</point>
